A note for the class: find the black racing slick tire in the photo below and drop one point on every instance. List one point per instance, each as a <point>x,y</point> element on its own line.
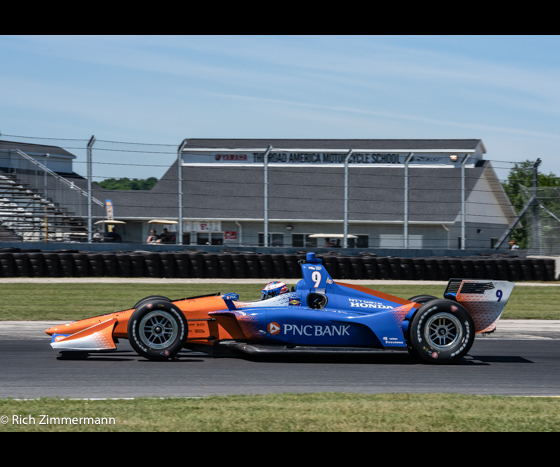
<point>441,332</point>
<point>422,299</point>
<point>157,330</point>
<point>150,298</point>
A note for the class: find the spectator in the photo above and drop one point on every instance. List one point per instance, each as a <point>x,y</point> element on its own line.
<point>514,246</point>
<point>153,237</point>
<point>113,236</point>
<point>166,237</point>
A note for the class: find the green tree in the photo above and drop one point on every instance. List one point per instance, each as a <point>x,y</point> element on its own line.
<point>522,175</point>
<point>128,184</point>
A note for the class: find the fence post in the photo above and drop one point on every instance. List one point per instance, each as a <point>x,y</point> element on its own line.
<point>536,234</point>
<point>463,203</point>
<point>179,239</point>
<point>89,178</point>
<point>406,190</point>
<point>345,241</point>
<point>265,239</point>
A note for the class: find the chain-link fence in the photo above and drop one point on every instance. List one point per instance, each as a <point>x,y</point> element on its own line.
<point>426,204</point>
<point>542,220</point>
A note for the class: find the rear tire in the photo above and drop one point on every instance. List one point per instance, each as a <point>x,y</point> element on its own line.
<point>422,299</point>
<point>157,330</point>
<point>441,332</point>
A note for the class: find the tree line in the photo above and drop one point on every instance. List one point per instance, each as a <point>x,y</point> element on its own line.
<point>128,184</point>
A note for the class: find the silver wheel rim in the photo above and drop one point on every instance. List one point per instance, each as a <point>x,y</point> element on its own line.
<point>443,331</point>
<point>158,330</point>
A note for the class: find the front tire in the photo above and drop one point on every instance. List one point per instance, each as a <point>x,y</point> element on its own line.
<point>157,330</point>
<point>441,332</point>
<point>151,298</point>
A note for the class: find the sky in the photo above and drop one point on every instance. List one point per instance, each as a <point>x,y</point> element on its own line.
<point>504,90</point>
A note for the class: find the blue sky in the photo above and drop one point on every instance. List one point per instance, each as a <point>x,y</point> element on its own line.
<point>161,89</point>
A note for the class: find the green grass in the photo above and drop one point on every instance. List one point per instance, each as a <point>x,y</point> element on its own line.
<point>31,302</point>
<point>321,412</point>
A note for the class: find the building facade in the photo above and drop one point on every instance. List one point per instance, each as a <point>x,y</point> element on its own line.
<point>394,194</point>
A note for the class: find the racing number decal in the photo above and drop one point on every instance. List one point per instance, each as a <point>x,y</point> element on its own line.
<point>316,277</point>
<point>499,294</point>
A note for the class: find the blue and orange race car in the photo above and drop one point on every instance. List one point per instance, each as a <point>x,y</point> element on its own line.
<point>318,315</point>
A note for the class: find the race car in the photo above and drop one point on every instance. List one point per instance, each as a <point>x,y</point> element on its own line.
<point>318,315</point>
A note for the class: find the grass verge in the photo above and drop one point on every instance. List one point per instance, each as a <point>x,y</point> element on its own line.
<point>320,412</point>
<point>31,302</point>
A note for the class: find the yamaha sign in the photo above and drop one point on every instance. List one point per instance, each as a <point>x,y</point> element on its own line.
<point>320,158</point>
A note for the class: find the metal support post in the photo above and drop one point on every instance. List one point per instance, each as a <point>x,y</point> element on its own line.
<point>464,203</point>
<point>346,160</point>
<point>89,180</point>
<point>406,190</point>
<point>179,238</point>
<point>514,223</point>
<point>267,152</point>
<point>240,239</point>
<point>536,237</point>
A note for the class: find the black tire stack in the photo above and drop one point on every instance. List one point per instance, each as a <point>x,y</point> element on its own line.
<point>233,264</point>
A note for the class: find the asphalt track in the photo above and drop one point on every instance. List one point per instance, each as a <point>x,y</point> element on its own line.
<point>524,361</point>
<point>522,358</point>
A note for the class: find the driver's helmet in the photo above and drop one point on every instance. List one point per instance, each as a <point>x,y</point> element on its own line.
<point>274,288</point>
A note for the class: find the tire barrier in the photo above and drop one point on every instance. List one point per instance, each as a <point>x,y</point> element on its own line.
<point>52,265</point>
<point>182,265</point>
<point>152,265</point>
<point>356,267</point>
<point>36,264</point>
<point>167,265</point>
<point>138,266</point>
<point>229,265</point>
<point>251,266</point>
<point>370,267</point>
<point>265,265</point>
<point>197,265</point>
<point>66,265</point>
<point>7,265</point>
<point>21,265</point>
<point>109,264</point>
<point>343,267</point>
<point>225,266</point>
<point>291,267</point>
<point>81,266</point>
<point>123,265</point>
<point>278,266</point>
<point>210,266</point>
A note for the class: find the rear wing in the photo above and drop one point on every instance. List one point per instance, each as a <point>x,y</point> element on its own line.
<point>485,300</point>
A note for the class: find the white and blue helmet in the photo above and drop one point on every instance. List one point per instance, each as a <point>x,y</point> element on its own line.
<point>272,289</point>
